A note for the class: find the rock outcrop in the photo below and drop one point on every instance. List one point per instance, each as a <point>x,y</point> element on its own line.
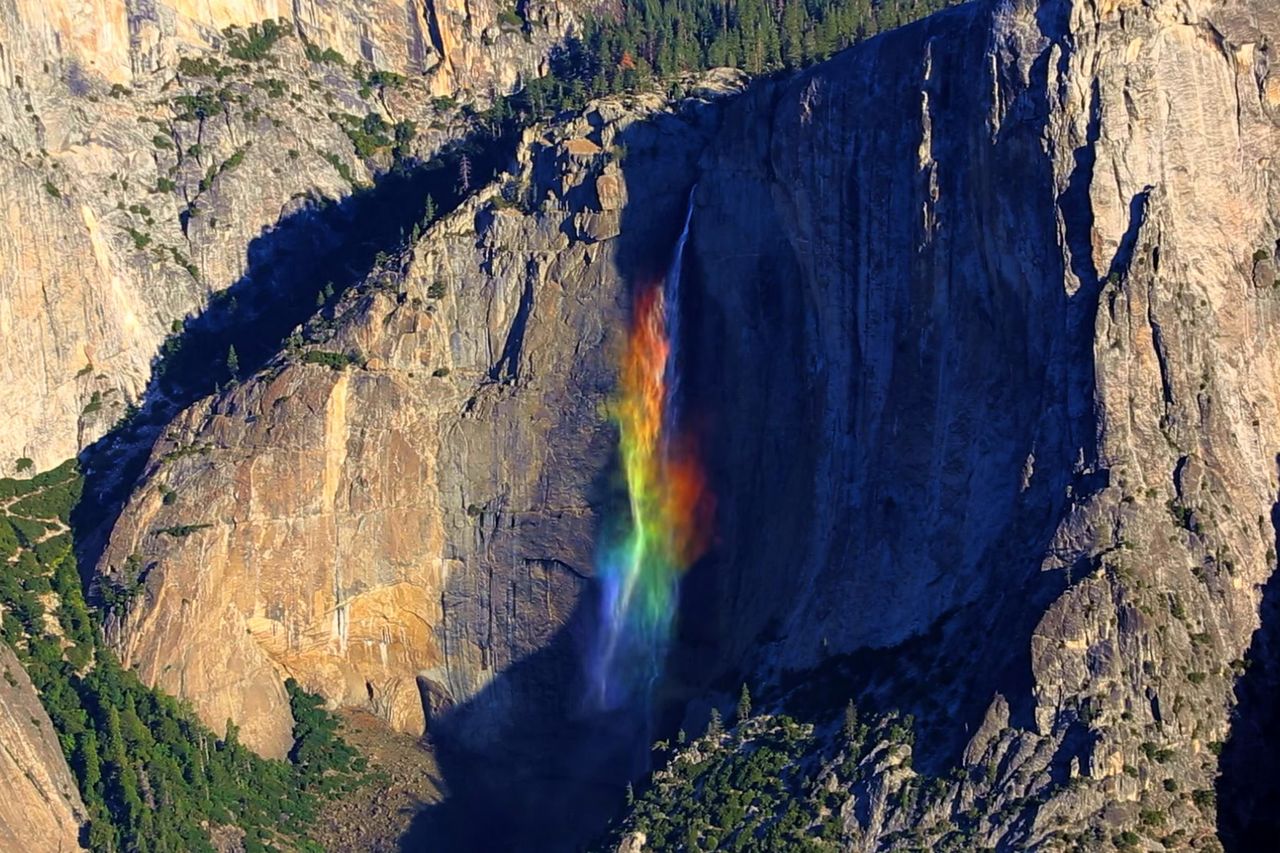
<point>477,44</point>
<point>40,808</point>
<point>1006,336</point>
<point>146,155</point>
<point>398,533</point>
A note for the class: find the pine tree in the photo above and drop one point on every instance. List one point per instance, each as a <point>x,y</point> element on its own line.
<point>715,726</point>
<point>233,362</point>
<point>464,173</point>
<point>744,705</point>
<point>849,727</point>
<point>793,21</point>
<point>87,764</point>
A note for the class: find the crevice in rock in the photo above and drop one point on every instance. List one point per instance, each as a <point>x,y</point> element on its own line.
<point>507,367</point>
<point>433,29</point>
<point>1248,789</point>
<point>1123,258</point>
<point>1157,343</point>
<point>1074,204</point>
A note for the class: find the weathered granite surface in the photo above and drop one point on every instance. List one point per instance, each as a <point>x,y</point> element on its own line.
<point>134,182</point>
<point>40,808</point>
<point>397,534</point>
<point>996,293</point>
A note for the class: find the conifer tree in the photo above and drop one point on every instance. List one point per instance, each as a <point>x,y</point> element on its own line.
<point>849,727</point>
<point>715,726</point>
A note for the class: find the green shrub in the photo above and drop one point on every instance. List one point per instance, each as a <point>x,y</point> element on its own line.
<point>1128,838</point>
<point>1205,798</point>
<point>368,135</point>
<point>198,107</point>
<point>315,54</point>
<point>383,79</point>
<point>340,166</point>
<point>181,531</point>
<point>333,360</point>
<point>202,67</point>
<point>140,240</point>
<point>255,43</point>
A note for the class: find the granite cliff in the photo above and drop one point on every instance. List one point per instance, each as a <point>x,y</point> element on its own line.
<point>463,44</point>
<point>983,342</point>
<point>398,531</point>
<point>1006,471</point>
<point>40,808</point>
<point>148,151</point>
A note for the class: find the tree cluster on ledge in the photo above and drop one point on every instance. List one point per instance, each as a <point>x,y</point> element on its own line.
<point>152,776</point>
<point>653,41</point>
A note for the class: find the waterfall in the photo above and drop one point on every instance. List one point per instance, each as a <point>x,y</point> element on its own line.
<point>666,527</point>
<point>672,307</point>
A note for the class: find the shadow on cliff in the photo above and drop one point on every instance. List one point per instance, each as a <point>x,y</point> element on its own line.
<point>926,314</point>
<point>551,769</point>
<point>1248,787</point>
<point>296,273</point>
<point>530,763</point>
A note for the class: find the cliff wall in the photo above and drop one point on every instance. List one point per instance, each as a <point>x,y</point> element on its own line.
<point>40,808</point>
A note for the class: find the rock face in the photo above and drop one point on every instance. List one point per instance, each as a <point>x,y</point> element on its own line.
<point>134,185</point>
<point>483,46</point>
<point>472,41</point>
<point>398,533</point>
<point>985,346</point>
<point>1006,336</point>
<point>40,808</point>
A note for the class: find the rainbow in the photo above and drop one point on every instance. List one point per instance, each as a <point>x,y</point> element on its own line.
<point>668,520</point>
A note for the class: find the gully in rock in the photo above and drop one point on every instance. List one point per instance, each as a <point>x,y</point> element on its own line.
<point>667,524</point>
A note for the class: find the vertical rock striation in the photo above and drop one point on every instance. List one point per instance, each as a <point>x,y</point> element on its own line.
<point>996,293</point>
